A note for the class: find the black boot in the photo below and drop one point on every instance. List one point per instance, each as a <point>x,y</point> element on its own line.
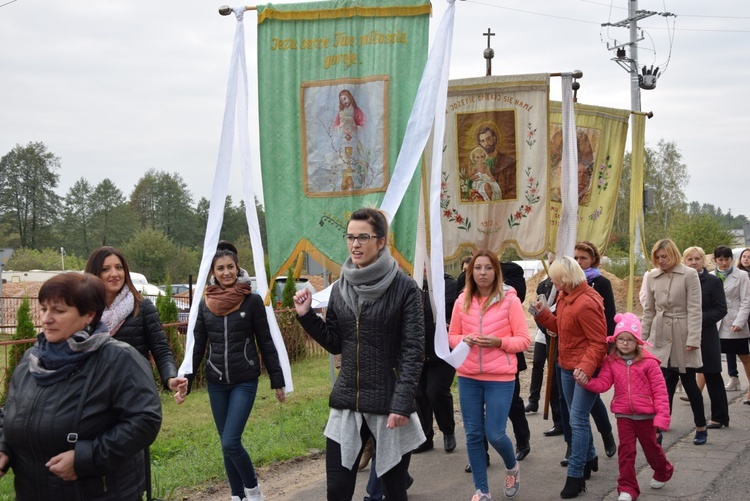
<point>573,487</point>
<point>610,446</point>
<point>590,466</point>
<point>564,462</point>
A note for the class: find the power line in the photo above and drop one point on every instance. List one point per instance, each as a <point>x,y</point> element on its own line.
<point>681,15</point>
<point>8,3</point>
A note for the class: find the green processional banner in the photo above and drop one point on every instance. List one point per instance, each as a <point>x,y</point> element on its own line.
<point>601,134</point>
<point>336,84</point>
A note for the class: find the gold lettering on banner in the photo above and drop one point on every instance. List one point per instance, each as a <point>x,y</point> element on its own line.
<point>341,39</point>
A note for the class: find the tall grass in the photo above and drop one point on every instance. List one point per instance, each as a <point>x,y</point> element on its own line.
<point>187,454</point>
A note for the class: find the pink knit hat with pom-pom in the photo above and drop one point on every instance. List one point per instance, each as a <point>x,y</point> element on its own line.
<point>628,322</point>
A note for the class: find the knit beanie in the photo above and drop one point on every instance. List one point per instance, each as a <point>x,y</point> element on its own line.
<point>628,322</point>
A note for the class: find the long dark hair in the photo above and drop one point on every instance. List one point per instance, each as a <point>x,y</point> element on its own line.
<point>95,263</point>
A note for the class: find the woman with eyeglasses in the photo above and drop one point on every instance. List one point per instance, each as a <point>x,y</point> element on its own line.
<point>375,321</point>
<point>673,323</point>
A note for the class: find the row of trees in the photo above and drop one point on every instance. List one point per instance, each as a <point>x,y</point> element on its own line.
<point>161,230</point>
<point>158,226</point>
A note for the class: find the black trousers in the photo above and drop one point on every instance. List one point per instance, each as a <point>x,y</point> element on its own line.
<point>541,353</point>
<point>341,482</point>
<point>517,416</point>
<point>671,376</point>
<point>434,397</point>
<point>718,396</point>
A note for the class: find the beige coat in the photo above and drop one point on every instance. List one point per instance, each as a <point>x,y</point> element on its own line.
<point>672,317</point>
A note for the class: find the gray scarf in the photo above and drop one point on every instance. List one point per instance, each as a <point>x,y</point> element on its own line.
<point>368,283</point>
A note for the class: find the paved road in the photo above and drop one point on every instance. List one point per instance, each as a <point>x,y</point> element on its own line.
<point>715,471</point>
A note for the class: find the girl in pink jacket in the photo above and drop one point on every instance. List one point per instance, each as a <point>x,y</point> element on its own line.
<point>640,404</point>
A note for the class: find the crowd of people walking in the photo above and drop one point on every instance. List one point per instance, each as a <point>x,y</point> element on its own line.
<point>391,381</point>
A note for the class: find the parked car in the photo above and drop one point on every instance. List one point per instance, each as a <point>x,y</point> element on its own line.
<point>176,288</point>
<point>300,283</point>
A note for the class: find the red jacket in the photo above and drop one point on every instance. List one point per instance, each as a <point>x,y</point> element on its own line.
<point>581,329</point>
<point>639,387</point>
<point>505,319</point>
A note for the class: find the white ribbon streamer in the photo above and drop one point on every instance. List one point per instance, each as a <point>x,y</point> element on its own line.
<point>237,99</point>
<point>568,230</point>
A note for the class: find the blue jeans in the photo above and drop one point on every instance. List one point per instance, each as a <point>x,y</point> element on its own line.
<point>579,401</point>
<point>598,412</point>
<point>493,398</point>
<point>231,405</point>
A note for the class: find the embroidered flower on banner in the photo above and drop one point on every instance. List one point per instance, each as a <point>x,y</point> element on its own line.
<point>451,213</point>
<point>532,198</point>
<point>530,135</point>
<point>596,214</point>
<point>602,175</point>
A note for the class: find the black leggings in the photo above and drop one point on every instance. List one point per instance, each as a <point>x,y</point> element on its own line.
<point>671,376</point>
<point>341,481</point>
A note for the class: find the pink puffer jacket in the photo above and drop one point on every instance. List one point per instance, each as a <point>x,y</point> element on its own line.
<point>639,387</point>
<point>505,319</point>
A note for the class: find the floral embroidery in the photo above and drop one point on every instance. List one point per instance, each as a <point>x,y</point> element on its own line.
<point>596,214</point>
<point>602,175</point>
<point>532,198</point>
<point>451,213</point>
<point>530,135</point>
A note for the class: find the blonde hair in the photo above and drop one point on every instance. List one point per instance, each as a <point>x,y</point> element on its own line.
<point>471,286</point>
<point>694,250</point>
<point>668,246</point>
<point>566,271</point>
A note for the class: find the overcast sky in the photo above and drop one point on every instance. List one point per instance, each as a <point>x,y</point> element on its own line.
<point>117,88</point>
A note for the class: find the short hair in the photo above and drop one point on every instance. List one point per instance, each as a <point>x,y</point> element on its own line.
<point>668,246</point>
<point>591,250</point>
<point>95,263</point>
<point>567,272</point>
<point>723,251</point>
<point>694,250</point>
<point>376,218</point>
<point>83,291</point>
<point>484,130</point>
<point>471,286</point>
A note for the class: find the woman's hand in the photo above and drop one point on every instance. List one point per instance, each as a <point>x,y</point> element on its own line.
<point>537,307</point>
<point>302,301</point>
<point>470,340</point>
<point>488,341</point>
<point>691,348</point>
<point>280,395</point>
<point>179,386</point>
<point>62,465</point>
<point>580,377</point>
<point>396,420</point>
<point>736,328</point>
<point>4,464</point>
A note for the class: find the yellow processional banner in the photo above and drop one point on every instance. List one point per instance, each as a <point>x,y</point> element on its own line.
<point>601,134</point>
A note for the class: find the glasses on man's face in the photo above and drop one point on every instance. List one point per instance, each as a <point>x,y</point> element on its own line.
<point>625,341</point>
<point>362,238</point>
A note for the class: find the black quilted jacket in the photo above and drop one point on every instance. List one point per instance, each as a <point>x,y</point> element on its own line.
<point>232,350</point>
<point>382,348</point>
<point>145,333</point>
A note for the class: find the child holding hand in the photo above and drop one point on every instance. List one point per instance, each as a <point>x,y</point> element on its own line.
<point>640,403</point>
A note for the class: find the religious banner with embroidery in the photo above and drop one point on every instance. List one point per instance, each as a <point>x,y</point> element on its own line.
<point>601,134</point>
<point>336,84</point>
<point>495,165</point>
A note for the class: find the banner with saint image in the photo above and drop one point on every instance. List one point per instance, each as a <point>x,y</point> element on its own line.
<point>601,134</point>
<point>494,176</point>
<point>336,85</point>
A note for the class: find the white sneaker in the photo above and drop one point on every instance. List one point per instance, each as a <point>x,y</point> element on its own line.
<point>733,384</point>
<point>481,496</point>
<point>253,494</point>
<point>624,496</point>
<point>655,484</point>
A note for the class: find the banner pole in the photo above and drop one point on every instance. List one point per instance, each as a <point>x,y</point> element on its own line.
<point>225,10</point>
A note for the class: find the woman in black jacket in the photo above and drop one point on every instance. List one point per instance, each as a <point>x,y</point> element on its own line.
<point>232,324</point>
<point>130,317</point>
<point>375,321</point>
<point>81,406</point>
<point>714,306</point>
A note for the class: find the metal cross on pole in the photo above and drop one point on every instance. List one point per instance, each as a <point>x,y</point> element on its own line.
<point>489,52</point>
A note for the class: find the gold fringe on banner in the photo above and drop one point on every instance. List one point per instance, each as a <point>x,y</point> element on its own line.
<point>307,15</point>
